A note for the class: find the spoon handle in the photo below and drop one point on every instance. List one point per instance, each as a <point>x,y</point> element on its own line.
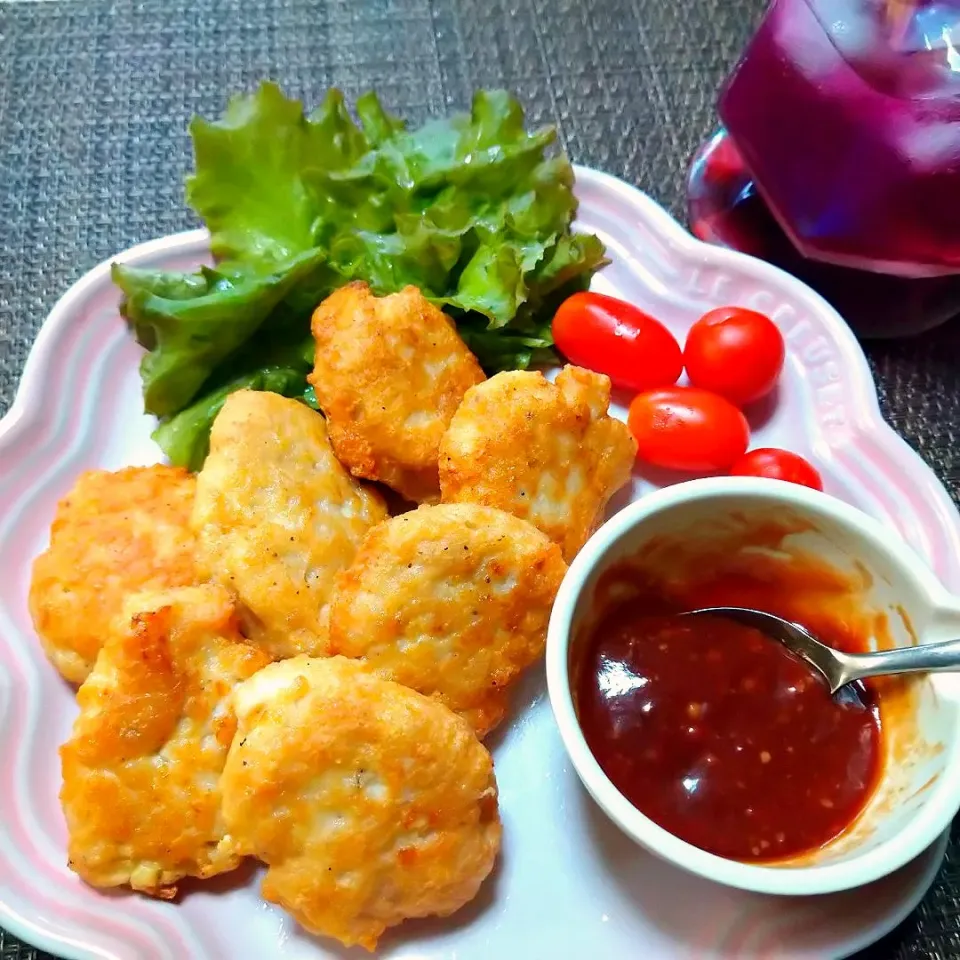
<point>937,657</point>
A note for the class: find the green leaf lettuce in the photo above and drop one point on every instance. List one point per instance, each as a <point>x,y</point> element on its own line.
<point>474,210</point>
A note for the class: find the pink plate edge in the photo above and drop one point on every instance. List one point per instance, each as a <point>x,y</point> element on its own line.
<point>870,432</point>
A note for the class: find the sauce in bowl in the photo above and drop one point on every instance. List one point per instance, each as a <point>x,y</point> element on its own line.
<point>718,733</point>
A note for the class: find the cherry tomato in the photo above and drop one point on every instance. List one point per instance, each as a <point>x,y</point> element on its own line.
<point>778,465</point>
<point>616,338</point>
<point>685,428</point>
<point>735,352</point>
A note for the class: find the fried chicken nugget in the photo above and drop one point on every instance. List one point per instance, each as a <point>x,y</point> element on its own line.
<point>370,803</point>
<point>389,373</point>
<point>141,769</point>
<point>277,518</point>
<point>113,534</point>
<point>452,600</point>
<point>546,452</point>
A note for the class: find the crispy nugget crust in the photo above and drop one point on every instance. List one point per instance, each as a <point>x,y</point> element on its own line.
<point>113,534</point>
<point>369,802</point>
<point>141,767</point>
<point>389,373</point>
<point>546,452</point>
<point>277,517</point>
<point>452,600</point>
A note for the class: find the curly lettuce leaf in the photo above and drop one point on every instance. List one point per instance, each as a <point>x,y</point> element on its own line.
<point>577,255</point>
<point>492,284</point>
<point>249,187</point>
<point>473,210</point>
<point>190,323</point>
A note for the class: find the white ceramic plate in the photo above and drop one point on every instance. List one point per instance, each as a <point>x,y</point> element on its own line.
<point>569,885</point>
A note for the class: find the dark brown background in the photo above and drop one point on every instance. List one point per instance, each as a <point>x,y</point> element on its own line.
<point>95,97</point>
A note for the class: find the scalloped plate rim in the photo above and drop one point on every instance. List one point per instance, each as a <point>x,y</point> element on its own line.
<point>861,388</point>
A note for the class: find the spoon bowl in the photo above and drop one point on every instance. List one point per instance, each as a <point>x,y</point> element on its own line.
<point>837,668</point>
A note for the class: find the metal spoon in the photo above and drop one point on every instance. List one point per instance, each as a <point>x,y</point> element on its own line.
<point>835,666</point>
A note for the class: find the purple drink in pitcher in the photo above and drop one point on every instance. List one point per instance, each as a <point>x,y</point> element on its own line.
<point>841,160</point>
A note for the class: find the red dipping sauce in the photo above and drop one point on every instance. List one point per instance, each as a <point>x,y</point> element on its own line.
<point>716,732</point>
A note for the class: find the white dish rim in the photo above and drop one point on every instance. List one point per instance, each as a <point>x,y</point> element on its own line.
<point>29,399</point>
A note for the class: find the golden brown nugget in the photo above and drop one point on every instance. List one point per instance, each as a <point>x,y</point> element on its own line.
<point>277,517</point>
<point>452,600</point>
<point>546,452</point>
<point>370,803</point>
<point>389,373</point>
<point>114,534</point>
<point>141,768</point>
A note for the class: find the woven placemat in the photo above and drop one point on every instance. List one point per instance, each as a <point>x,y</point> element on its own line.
<point>95,97</point>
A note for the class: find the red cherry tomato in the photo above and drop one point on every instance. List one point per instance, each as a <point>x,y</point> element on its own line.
<point>616,338</point>
<point>735,352</point>
<point>685,428</point>
<point>778,465</point>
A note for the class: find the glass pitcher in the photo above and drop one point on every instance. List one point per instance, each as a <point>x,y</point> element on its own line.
<point>840,157</point>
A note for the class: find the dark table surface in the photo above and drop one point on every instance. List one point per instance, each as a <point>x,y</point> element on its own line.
<point>95,96</point>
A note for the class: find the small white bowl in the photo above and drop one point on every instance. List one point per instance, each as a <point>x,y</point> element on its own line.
<point>919,790</point>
